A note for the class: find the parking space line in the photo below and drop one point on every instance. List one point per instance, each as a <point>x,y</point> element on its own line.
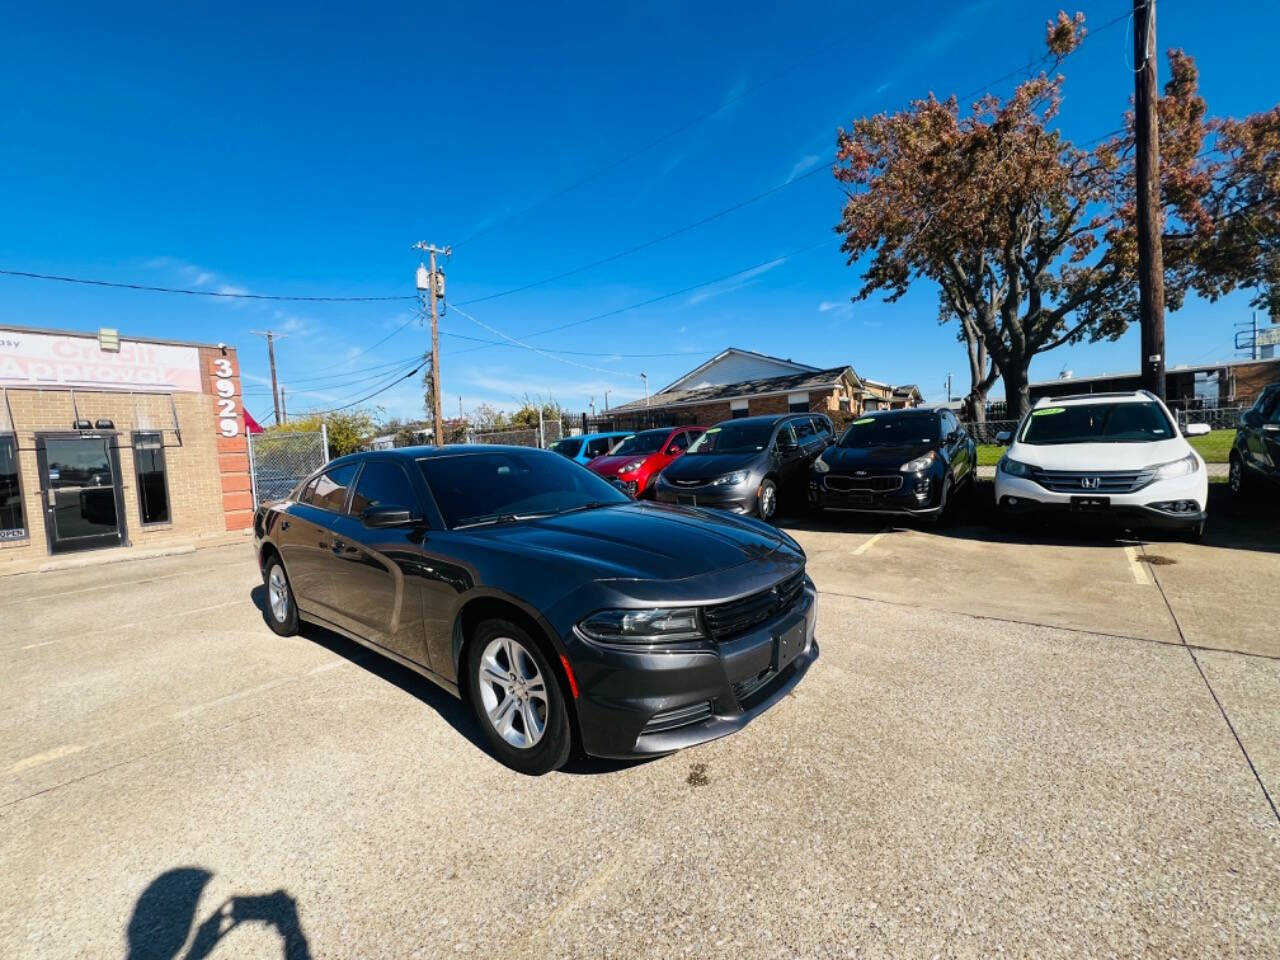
<point>48,756</point>
<point>1140,571</point>
<point>867,544</point>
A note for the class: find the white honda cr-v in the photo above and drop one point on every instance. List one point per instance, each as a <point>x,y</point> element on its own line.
<point>1116,454</point>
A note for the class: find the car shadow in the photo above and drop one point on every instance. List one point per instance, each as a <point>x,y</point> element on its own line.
<point>164,917</point>
<point>1231,525</point>
<point>452,710</point>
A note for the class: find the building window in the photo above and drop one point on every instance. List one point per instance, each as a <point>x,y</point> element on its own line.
<point>797,403</point>
<point>12,523</point>
<point>737,409</point>
<point>153,479</point>
<point>845,404</point>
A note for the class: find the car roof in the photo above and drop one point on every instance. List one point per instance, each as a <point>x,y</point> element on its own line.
<point>770,418</point>
<point>1079,399</point>
<point>427,452</point>
<point>901,411</point>
<point>595,436</point>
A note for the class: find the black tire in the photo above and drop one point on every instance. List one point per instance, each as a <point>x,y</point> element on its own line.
<point>767,500</point>
<point>282,607</point>
<point>1194,534</point>
<point>551,750</point>
<point>1238,479</point>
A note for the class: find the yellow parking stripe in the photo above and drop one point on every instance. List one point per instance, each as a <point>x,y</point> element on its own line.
<point>867,544</point>
<point>1141,575</point>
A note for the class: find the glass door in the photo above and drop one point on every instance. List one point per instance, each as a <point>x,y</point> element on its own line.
<point>80,487</point>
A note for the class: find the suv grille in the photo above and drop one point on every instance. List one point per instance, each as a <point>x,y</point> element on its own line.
<point>726,620</point>
<point>843,484</point>
<point>1098,481</point>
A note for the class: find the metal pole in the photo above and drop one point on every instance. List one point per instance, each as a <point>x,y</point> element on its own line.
<point>436,413</point>
<point>253,473</point>
<point>324,439</point>
<point>1150,219</point>
<point>542,437</point>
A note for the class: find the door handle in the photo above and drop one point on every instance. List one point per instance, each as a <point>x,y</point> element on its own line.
<point>284,525</point>
<point>338,546</point>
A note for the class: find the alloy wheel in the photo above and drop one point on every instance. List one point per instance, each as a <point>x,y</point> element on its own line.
<point>1235,475</point>
<point>278,593</point>
<point>514,692</point>
<point>768,501</point>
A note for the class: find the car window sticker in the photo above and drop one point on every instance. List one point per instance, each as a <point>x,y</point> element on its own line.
<point>1047,411</point>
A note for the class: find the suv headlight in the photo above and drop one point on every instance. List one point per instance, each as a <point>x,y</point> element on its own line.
<point>821,466</point>
<point>655,625</point>
<point>633,465</point>
<point>919,463</point>
<point>1014,468</point>
<point>729,479</point>
<point>1178,468</point>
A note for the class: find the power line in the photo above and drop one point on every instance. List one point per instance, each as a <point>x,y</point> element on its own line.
<point>374,346</point>
<point>399,378</point>
<point>648,243</point>
<point>546,353</point>
<point>233,295</point>
<point>576,353</point>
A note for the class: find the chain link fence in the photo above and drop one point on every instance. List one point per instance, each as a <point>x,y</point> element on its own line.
<point>278,461</point>
<point>1218,418</point>
<point>988,430</point>
<point>552,430</point>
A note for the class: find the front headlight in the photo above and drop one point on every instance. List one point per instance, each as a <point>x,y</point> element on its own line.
<point>919,463</point>
<point>821,466</point>
<point>1178,468</point>
<point>633,465</point>
<point>656,625</point>
<point>1014,468</point>
<point>729,479</point>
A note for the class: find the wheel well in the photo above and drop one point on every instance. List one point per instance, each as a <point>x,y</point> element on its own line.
<point>268,552</point>
<point>493,608</point>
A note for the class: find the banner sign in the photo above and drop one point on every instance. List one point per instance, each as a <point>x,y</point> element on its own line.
<point>64,360</point>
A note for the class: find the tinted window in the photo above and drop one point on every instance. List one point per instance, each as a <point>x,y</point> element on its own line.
<point>821,427</point>
<point>309,491</point>
<point>330,490</point>
<point>891,431</point>
<point>383,484</point>
<point>153,485</point>
<point>786,435</point>
<point>681,440</point>
<point>1271,408</point>
<point>503,486</point>
<point>733,437</point>
<point>568,448</point>
<point>1098,423</point>
<point>650,441</point>
<point>12,523</point>
<point>804,430</point>
<point>599,446</point>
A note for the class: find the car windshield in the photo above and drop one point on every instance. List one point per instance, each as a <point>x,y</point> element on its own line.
<point>567,448</point>
<point>733,438</point>
<point>650,441</point>
<point>891,431</point>
<point>501,486</point>
<point>1097,423</point>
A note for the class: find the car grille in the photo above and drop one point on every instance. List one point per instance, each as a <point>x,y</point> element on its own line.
<point>680,717</point>
<point>685,483</point>
<point>1085,481</point>
<point>745,688</point>
<point>843,484</point>
<point>727,620</point>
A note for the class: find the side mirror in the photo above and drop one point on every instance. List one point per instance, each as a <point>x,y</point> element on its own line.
<point>1003,438</point>
<point>673,451</point>
<point>1195,430</point>
<point>788,446</point>
<point>1251,418</point>
<point>387,515</point>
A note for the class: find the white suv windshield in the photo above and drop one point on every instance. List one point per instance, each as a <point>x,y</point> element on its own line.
<point>1097,423</point>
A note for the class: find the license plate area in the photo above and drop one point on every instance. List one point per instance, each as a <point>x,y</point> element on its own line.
<point>788,644</point>
<point>1091,503</point>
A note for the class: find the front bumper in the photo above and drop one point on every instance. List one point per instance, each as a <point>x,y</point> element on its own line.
<point>637,703</point>
<point>736,499</point>
<point>918,496</point>
<point>1021,496</point>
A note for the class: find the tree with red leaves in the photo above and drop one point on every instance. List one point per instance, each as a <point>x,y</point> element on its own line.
<point>1031,239</point>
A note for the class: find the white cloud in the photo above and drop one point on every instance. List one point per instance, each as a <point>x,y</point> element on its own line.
<point>736,283</point>
<point>804,163</point>
<point>828,305</point>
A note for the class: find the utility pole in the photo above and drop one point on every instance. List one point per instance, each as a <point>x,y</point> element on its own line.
<point>271,358</point>
<point>1150,219</point>
<point>431,286</point>
<point>284,412</point>
<point>606,401</point>
<point>646,390</point>
<point>948,389</point>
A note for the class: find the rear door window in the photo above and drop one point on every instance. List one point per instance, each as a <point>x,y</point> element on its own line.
<point>804,431</point>
<point>599,446</point>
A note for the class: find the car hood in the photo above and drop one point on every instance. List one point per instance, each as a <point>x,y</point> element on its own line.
<point>1100,456</point>
<point>608,466</point>
<point>640,541</point>
<point>849,459</point>
<point>707,466</point>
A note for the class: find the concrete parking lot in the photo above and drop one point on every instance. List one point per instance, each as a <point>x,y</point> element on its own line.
<point>1054,743</point>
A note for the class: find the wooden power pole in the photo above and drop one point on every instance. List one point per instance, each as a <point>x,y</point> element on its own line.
<point>271,359</point>
<point>1150,214</point>
<point>431,286</point>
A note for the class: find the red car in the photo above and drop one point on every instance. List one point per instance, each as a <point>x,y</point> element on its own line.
<point>639,458</point>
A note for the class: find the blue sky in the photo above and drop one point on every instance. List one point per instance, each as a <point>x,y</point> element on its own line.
<point>301,150</point>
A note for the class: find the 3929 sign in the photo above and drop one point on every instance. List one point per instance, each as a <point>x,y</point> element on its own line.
<point>224,385</point>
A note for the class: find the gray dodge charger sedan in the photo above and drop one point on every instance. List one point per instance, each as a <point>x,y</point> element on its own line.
<point>563,612</point>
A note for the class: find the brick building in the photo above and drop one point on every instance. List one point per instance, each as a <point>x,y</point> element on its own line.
<point>742,383</point>
<point>106,442</point>
<point>1187,387</point>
